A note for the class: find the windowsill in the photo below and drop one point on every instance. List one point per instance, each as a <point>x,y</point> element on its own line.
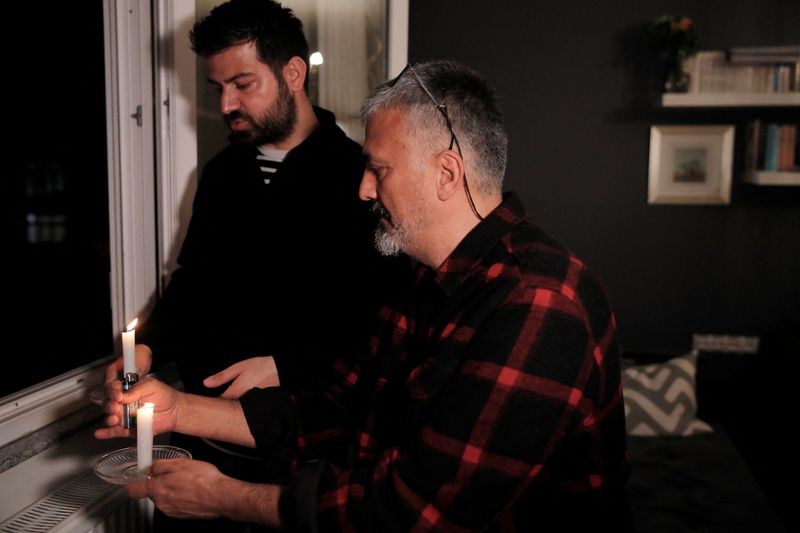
<point>47,437</point>
<point>40,406</point>
<point>65,458</point>
<point>43,417</point>
<point>35,443</point>
<point>39,463</point>
<point>35,465</point>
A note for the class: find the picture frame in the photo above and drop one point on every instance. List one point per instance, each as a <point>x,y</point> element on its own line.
<point>690,165</point>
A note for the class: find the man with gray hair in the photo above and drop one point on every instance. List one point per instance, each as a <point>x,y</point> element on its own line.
<point>491,398</point>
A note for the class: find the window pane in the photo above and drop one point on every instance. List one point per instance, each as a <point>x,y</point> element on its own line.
<point>55,196</point>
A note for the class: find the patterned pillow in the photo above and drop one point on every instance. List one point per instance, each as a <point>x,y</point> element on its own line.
<point>660,398</point>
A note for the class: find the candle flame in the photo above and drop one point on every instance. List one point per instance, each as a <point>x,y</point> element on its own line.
<point>132,325</point>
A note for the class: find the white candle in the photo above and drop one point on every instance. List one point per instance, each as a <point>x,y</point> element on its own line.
<point>129,348</point>
<point>144,436</point>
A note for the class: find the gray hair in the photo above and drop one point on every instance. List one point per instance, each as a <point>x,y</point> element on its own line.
<point>471,105</point>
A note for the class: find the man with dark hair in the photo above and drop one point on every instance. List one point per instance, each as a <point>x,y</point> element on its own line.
<point>278,239</point>
<point>491,398</point>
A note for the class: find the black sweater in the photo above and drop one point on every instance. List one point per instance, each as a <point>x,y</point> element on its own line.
<point>268,269</point>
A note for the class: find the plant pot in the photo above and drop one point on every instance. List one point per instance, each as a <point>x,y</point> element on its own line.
<point>677,78</point>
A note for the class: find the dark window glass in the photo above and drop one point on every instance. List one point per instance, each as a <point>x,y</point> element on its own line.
<point>55,193</point>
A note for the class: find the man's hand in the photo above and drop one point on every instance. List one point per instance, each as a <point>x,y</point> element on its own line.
<point>259,372</point>
<point>144,359</point>
<point>183,488</point>
<point>165,414</point>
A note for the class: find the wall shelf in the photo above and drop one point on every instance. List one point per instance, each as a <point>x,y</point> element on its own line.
<point>764,177</point>
<point>730,99</point>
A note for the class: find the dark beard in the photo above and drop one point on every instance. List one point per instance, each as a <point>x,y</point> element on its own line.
<point>276,124</point>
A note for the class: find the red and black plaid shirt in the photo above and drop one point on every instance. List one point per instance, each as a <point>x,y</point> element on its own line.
<point>491,400</point>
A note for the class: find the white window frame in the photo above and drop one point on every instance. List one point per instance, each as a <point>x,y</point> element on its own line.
<point>398,37</point>
<point>176,117</point>
<point>132,223</point>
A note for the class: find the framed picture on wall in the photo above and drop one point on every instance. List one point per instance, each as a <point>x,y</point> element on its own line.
<point>690,165</point>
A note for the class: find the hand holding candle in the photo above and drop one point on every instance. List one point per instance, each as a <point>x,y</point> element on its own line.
<point>128,466</point>
<point>144,436</point>
<point>129,349</point>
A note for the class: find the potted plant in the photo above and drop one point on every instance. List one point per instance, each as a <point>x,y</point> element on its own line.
<point>675,40</point>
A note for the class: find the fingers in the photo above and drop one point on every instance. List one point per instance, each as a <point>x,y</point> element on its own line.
<point>112,432</point>
<point>234,391</point>
<point>144,488</point>
<point>144,358</point>
<point>222,377</point>
<point>138,489</point>
<point>143,389</point>
<point>113,388</point>
<point>113,370</point>
<point>165,466</point>
<point>114,417</point>
<point>113,407</point>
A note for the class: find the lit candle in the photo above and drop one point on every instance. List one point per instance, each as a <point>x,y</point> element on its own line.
<point>144,436</point>
<point>129,348</point>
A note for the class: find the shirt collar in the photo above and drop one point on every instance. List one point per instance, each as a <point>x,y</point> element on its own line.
<point>477,244</point>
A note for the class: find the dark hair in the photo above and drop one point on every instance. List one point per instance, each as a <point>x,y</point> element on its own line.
<point>471,105</point>
<point>276,32</point>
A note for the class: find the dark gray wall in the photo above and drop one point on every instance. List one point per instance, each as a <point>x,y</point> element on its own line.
<point>579,88</point>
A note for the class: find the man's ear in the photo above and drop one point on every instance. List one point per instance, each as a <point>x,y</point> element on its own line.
<point>294,74</point>
<point>451,172</point>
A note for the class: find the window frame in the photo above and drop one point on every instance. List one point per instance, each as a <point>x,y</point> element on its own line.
<point>132,221</point>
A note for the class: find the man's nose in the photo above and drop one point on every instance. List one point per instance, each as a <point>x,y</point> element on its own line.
<point>227,102</point>
<point>366,191</point>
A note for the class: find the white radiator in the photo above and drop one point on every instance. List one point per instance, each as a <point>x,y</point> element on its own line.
<point>84,504</point>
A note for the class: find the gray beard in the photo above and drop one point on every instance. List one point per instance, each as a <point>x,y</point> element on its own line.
<point>397,237</point>
<point>385,243</point>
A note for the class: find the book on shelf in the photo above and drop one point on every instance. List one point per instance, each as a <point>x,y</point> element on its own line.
<point>752,143</point>
<point>772,147</point>
<point>767,50</point>
<point>787,158</point>
<point>712,72</point>
<point>765,54</point>
<point>756,59</point>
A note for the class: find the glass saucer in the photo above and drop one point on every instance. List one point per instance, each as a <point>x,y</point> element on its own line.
<point>97,394</point>
<point>120,467</point>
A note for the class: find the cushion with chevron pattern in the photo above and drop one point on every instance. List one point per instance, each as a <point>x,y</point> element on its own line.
<point>660,398</point>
